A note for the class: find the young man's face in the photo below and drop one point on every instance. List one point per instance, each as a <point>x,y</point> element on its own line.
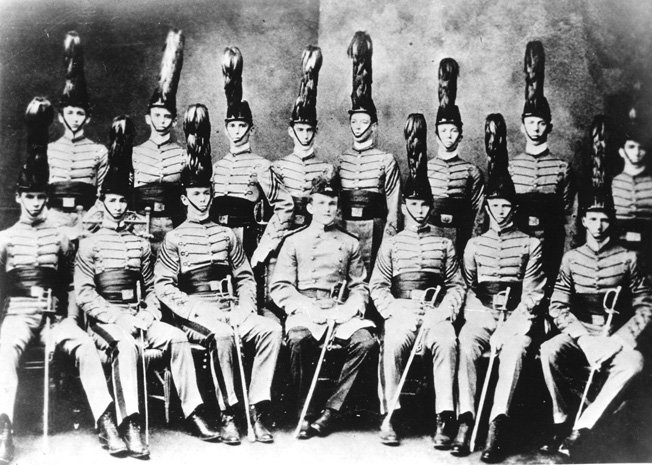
<point>303,133</point>
<point>160,120</point>
<point>449,135</point>
<point>361,126</point>
<point>74,118</point>
<point>500,209</point>
<point>323,209</point>
<point>116,205</point>
<point>238,132</point>
<point>418,210</point>
<point>597,225</point>
<point>633,153</point>
<point>198,198</point>
<point>535,128</point>
<point>31,202</point>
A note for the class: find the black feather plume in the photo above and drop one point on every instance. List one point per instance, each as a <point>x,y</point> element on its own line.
<point>495,141</point>
<point>449,70</point>
<point>305,107</point>
<point>75,92</point>
<point>360,51</point>
<point>232,64</point>
<point>534,68</point>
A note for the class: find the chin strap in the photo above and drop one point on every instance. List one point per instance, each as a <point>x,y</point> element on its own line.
<point>307,144</point>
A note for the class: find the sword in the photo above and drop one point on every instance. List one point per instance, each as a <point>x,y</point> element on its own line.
<point>141,333</point>
<point>49,350</point>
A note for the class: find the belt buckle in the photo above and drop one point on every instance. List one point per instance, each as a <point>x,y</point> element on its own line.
<point>223,219</point>
<point>37,292</point>
<point>214,285</point>
<point>417,294</point>
<point>127,294</point>
<point>158,207</point>
<point>598,320</point>
<point>68,202</point>
<point>533,221</point>
<point>633,236</point>
<point>446,218</point>
<point>499,301</point>
<point>356,212</point>
<point>299,219</point>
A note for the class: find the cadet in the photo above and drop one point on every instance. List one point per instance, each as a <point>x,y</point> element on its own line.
<point>543,182</point>
<point>371,182</point>
<point>35,258</point>
<point>592,336</point>
<point>115,287</point>
<point>503,263</point>
<point>457,185</point>
<point>158,161</point>
<point>407,264</point>
<point>193,261</point>
<point>242,181</point>
<point>77,164</point>
<point>632,194</point>
<point>312,262</point>
<point>298,169</point>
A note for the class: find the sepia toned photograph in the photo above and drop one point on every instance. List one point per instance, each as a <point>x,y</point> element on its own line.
<point>325,231</point>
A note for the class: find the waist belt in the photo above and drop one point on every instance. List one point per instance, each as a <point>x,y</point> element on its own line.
<point>537,211</point>
<point>363,205</point>
<point>69,194</point>
<point>404,283</point>
<point>449,212</point>
<point>589,308</point>
<point>487,290</point>
<point>31,282</point>
<point>205,279</point>
<point>635,232</point>
<point>233,211</point>
<point>162,198</point>
<point>118,286</point>
<point>301,215</point>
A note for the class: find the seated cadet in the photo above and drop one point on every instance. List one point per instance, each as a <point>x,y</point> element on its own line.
<point>193,261</point>
<point>590,335</point>
<point>35,262</point>
<point>115,288</point>
<point>502,260</point>
<point>407,264</point>
<point>311,262</point>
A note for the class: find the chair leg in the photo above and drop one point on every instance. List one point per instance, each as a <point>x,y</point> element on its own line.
<point>167,387</point>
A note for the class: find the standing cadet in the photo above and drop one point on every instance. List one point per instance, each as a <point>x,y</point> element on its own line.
<point>314,261</point>
<point>194,260</point>
<point>35,258</point>
<point>371,182</point>
<point>243,182</point>
<point>77,164</point>
<point>632,194</point>
<point>543,183</point>
<point>591,337</point>
<point>298,169</point>
<point>502,260</point>
<point>158,161</point>
<point>414,260</point>
<point>115,287</point>
<point>457,185</point>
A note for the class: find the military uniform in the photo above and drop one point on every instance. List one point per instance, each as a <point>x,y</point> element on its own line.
<point>194,257</point>
<point>414,260</point>
<point>110,266</point>
<point>577,308</point>
<point>458,192</point>
<point>310,262</point>
<point>633,202</point>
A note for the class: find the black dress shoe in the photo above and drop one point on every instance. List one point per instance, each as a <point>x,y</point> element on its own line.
<point>324,424</point>
<point>573,442</point>
<point>6,440</point>
<point>108,434</point>
<point>460,447</point>
<point>445,430</point>
<point>228,431</point>
<point>257,416</point>
<point>133,436</point>
<point>560,432</point>
<point>494,450</point>
<point>306,432</point>
<point>197,426</point>
<point>388,436</point>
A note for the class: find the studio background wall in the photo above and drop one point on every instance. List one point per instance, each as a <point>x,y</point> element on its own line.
<point>596,50</point>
